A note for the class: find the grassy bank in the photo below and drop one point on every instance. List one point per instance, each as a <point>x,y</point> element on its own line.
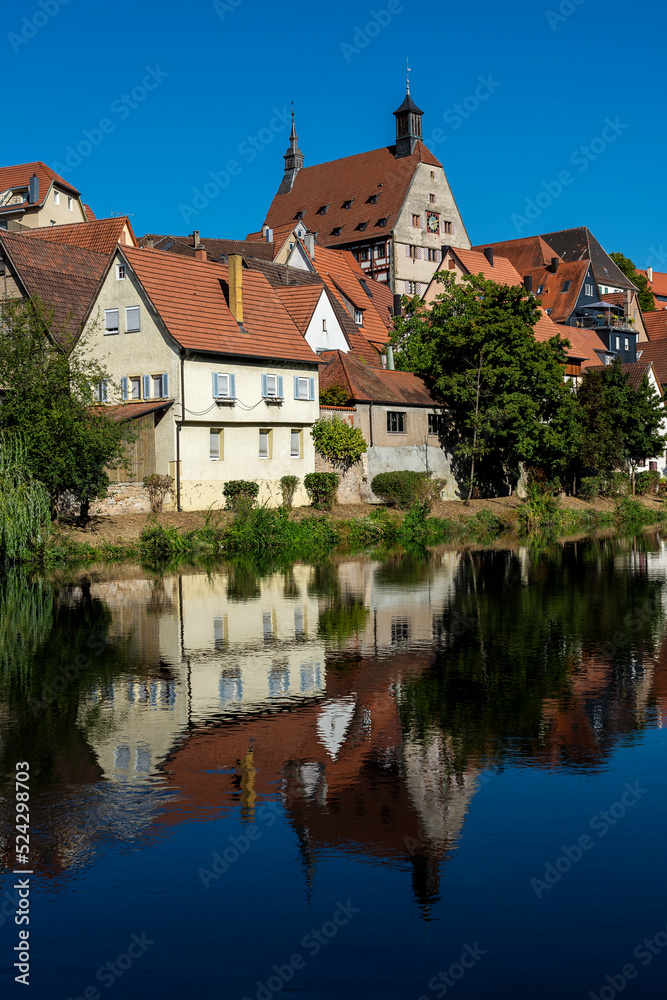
<point>281,537</point>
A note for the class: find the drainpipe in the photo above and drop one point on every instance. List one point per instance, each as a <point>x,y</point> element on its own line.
<point>178,435</point>
<point>370,424</point>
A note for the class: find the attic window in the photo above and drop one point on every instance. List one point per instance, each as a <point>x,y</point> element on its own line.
<point>540,289</point>
<point>168,245</point>
<point>322,210</point>
<point>299,216</point>
<point>382,221</point>
<point>362,226</point>
<point>548,312</point>
<point>566,286</point>
<point>336,231</point>
<point>348,203</point>
<point>358,317</point>
<point>373,200</point>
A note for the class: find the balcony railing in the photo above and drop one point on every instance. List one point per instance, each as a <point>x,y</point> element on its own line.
<point>606,321</point>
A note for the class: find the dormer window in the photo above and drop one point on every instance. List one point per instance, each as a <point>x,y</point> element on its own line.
<point>358,317</point>
<point>322,210</point>
<point>383,221</point>
<point>362,226</point>
<point>336,231</point>
<point>373,200</point>
<point>566,286</point>
<point>540,289</point>
<point>299,216</point>
<point>348,203</point>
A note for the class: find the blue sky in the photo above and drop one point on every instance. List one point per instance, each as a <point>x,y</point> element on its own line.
<point>568,130</point>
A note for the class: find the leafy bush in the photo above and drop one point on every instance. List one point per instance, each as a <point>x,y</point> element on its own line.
<point>589,488</point>
<point>321,488</point>
<point>647,483</point>
<point>335,395</point>
<point>404,488</point>
<point>158,544</point>
<point>288,485</point>
<point>240,494</point>
<point>337,441</point>
<point>157,488</point>
<point>616,484</point>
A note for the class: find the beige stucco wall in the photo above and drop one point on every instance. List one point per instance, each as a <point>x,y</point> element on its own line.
<point>417,202</point>
<point>60,214</point>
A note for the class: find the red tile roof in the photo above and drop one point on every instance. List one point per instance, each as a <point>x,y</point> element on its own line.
<point>300,302</point>
<point>190,296</point>
<point>524,253</point>
<point>584,345</point>
<point>343,276</point>
<point>562,304</point>
<point>376,385</point>
<point>475,262</point>
<point>352,178</point>
<point>90,215</point>
<point>19,176</point>
<point>656,352</point>
<point>634,370</point>
<point>102,235</point>
<point>656,324</point>
<point>64,278</point>
<point>281,234</point>
<point>215,248</point>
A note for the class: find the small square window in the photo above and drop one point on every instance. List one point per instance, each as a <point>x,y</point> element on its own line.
<point>271,385</point>
<point>302,388</point>
<point>265,443</point>
<point>436,423</point>
<point>120,272</point>
<point>56,197</point>
<point>447,228</point>
<point>215,444</point>
<point>431,198</point>
<point>70,204</point>
<point>381,250</point>
<point>395,422</point>
<point>110,321</point>
<point>295,444</point>
<point>156,386</point>
<point>540,289</point>
<point>132,319</point>
<point>433,175</point>
<point>626,343</point>
<point>416,221</point>
<point>359,317</point>
<point>566,286</point>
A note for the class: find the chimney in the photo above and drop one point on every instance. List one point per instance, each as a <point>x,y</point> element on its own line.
<point>390,358</point>
<point>528,282</point>
<point>488,253</point>
<point>397,304</point>
<point>33,189</point>
<point>195,238</point>
<point>236,286</point>
<point>149,243</point>
<point>269,235</point>
<point>553,266</point>
<point>309,240</point>
<point>649,274</point>
<point>200,253</point>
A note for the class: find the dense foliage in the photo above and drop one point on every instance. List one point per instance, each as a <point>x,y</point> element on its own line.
<point>288,485</point>
<point>49,398</point>
<point>337,441</point>
<point>24,502</point>
<point>399,489</point>
<point>645,296</point>
<point>507,403</point>
<point>321,488</point>
<point>335,395</point>
<point>240,493</point>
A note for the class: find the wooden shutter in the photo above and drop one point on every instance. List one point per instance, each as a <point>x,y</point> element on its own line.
<point>311,388</point>
<point>125,387</point>
<point>147,386</point>
<point>296,386</point>
<point>280,387</point>
<point>265,386</point>
<point>165,384</point>
<point>216,391</point>
<point>232,386</point>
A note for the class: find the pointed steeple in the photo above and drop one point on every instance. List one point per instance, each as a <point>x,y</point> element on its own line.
<point>293,160</point>
<point>408,124</point>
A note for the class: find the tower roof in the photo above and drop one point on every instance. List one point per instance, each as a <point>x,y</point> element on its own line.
<point>408,105</point>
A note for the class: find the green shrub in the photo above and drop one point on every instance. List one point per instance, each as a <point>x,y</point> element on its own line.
<point>157,488</point>
<point>647,483</point>
<point>402,489</point>
<point>288,485</point>
<point>337,441</point>
<point>616,484</point>
<point>589,488</point>
<point>158,544</point>
<point>240,494</point>
<point>321,488</point>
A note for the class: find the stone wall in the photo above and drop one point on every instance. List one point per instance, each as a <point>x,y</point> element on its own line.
<point>127,498</point>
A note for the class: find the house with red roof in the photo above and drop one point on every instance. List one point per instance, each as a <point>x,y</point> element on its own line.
<point>209,359</point>
<point>658,282</point>
<point>32,194</point>
<point>391,207</point>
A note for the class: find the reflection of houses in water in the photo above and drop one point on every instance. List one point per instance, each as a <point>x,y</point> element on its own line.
<point>201,653</point>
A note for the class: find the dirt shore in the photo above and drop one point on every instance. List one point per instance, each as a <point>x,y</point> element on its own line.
<point>126,528</point>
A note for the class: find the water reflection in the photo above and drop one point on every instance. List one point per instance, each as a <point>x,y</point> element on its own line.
<point>372,699</point>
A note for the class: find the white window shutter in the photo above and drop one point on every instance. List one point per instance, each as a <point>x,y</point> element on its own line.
<point>232,386</point>
<point>311,388</point>
<point>296,386</point>
<point>407,249</point>
<point>125,387</point>
<point>216,390</point>
<point>281,394</point>
<point>165,384</point>
<point>265,386</point>
<point>147,386</point>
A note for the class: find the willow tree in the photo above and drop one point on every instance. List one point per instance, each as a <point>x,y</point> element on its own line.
<point>24,501</point>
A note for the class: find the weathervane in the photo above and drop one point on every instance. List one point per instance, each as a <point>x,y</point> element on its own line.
<point>407,66</point>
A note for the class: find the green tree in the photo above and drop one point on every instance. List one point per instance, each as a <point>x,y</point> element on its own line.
<point>506,397</point>
<point>335,395</point>
<point>49,399</point>
<point>620,425</point>
<point>336,440</point>
<point>645,297</point>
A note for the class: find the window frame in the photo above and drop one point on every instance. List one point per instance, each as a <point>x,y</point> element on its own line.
<point>268,433</point>
<point>216,434</point>
<point>120,272</point>
<point>131,379</point>
<point>56,197</point>
<point>70,203</point>
<point>400,421</point>
<point>299,435</point>
<point>111,331</point>
<point>128,310</point>
<point>415,221</point>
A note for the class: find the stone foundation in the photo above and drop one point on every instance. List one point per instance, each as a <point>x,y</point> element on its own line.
<point>127,498</point>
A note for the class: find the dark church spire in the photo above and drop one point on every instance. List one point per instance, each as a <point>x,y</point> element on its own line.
<point>408,124</point>
<point>293,160</point>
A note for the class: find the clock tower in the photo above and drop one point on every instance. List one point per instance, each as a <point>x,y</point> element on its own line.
<point>408,126</point>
